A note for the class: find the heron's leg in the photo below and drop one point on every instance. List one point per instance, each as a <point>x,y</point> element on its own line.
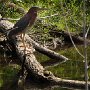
<point>23,41</point>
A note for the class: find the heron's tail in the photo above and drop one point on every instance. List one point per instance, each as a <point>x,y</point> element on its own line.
<point>5,32</point>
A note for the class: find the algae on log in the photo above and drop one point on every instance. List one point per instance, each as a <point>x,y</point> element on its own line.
<point>35,69</point>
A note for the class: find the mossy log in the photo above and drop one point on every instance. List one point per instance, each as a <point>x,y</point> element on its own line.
<point>35,69</point>
<point>76,38</point>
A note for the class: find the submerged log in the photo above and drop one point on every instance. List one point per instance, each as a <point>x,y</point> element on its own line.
<point>70,83</point>
<point>36,70</point>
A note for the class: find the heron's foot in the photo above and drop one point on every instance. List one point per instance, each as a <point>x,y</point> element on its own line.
<point>28,50</point>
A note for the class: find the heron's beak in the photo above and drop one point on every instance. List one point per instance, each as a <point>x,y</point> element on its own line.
<point>40,9</point>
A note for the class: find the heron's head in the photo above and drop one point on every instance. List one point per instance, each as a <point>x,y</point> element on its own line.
<point>35,9</point>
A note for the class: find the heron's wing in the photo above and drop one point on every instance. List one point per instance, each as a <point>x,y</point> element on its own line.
<point>12,31</point>
<point>22,23</point>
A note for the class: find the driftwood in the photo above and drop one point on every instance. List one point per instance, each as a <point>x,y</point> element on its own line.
<point>36,70</point>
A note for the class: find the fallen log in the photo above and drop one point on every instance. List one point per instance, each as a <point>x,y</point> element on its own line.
<point>70,83</point>
<point>36,70</point>
<point>76,38</point>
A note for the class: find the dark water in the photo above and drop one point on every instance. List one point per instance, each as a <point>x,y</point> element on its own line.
<point>8,73</point>
<point>36,86</point>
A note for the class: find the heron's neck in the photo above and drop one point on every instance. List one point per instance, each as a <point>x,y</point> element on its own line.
<point>31,16</point>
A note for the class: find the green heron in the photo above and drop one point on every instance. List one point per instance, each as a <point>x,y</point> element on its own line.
<point>27,20</point>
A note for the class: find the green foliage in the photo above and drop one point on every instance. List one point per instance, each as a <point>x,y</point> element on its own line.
<point>72,9</point>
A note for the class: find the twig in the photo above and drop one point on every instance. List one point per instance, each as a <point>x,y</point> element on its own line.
<point>85,45</point>
<point>71,36</point>
<point>48,16</point>
<point>87,32</point>
<point>9,19</point>
<point>37,18</point>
